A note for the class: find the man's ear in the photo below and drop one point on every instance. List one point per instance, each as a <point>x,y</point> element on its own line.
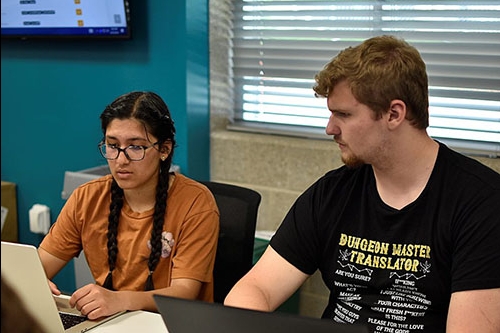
<point>397,113</point>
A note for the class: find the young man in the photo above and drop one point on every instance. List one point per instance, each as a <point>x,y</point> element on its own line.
<point>406,234</point>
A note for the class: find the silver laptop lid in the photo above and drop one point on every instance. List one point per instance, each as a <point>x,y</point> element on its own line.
<point>23,270</point>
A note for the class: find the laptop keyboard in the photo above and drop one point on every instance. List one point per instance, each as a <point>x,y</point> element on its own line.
<point>70,320</point>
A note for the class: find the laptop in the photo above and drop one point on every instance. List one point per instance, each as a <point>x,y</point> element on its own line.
<point>188,316</point>
<point>23,271</point>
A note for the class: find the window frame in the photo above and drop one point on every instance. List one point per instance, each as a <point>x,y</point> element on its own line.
<point>472,147</point>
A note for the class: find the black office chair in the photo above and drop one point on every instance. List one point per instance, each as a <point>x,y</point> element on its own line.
<point>238,207</point>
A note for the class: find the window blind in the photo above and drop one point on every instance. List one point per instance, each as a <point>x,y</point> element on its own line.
<point>278,47</point>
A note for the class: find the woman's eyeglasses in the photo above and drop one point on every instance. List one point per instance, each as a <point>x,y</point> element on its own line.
<point>132,152</point>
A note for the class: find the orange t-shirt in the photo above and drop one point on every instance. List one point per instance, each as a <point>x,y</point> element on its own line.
<point>192,219</point>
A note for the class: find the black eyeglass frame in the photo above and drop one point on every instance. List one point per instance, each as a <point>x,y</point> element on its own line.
<point>124,150</point>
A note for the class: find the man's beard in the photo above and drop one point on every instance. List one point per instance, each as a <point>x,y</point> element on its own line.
<point>352,161</point>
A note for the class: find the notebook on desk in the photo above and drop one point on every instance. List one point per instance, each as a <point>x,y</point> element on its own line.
<point>187,316</point>
<point>23,271</point>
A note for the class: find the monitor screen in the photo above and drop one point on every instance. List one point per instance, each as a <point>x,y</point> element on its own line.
<point>65,18</point>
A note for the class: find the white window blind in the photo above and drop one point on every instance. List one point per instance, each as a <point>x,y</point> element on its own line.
<point>278,46</point>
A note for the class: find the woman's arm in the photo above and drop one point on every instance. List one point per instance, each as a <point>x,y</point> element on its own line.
<point>95,301</point>
<point>52,265</point>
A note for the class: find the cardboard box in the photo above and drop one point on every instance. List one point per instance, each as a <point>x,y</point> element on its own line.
<point>9,212</point>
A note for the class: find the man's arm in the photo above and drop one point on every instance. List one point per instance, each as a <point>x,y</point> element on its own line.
<point>474,311</point>
<point>270,282</point>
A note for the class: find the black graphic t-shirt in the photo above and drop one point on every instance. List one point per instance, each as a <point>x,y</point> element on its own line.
<point>394,270</point>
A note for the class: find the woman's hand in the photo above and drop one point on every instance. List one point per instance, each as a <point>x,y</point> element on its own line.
<point>95,301</point>
<point>54,288</point>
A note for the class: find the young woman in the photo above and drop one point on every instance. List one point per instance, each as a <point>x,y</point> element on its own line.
<point>144,230</point>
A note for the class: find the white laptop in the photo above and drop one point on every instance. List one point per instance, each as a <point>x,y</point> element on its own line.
<point>23,271</point>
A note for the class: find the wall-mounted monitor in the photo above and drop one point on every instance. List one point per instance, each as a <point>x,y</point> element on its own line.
<point>65,19</point>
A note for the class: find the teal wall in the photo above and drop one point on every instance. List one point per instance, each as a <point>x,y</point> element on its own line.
<point>53,92</point>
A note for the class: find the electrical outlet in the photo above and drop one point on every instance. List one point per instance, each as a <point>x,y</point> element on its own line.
<point>39,219</point>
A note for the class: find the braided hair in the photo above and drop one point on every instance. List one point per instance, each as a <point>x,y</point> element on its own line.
<point>149,109</point>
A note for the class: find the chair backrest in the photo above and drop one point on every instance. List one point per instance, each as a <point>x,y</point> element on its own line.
<point>238,207</point>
